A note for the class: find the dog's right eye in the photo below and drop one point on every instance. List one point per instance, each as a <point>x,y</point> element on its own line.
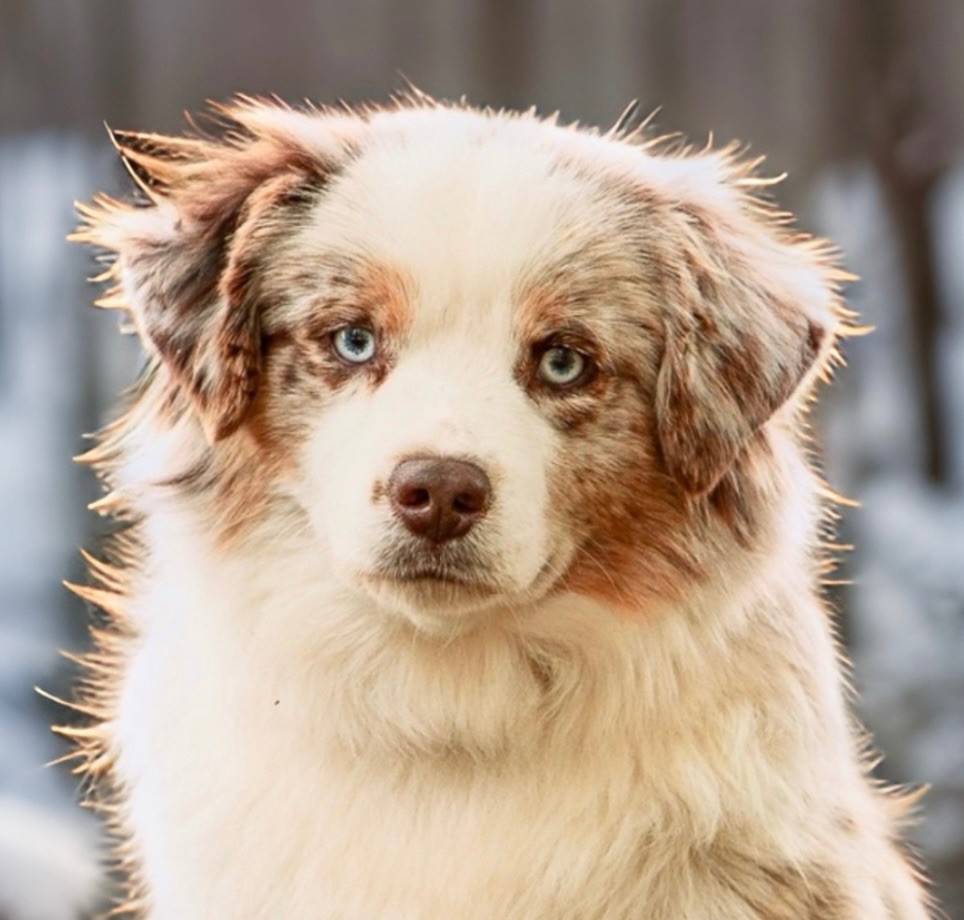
<point>354,344</point>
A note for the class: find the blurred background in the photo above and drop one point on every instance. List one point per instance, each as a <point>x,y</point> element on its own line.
<point>861,102</point>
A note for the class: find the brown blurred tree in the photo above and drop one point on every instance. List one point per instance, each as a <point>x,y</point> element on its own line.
<point>504,50</point>
<point>910,148</point>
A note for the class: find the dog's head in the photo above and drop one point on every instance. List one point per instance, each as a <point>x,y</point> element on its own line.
<point>474,357</point>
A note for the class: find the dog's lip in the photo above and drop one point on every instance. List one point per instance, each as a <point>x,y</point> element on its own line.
<point>431,576</point>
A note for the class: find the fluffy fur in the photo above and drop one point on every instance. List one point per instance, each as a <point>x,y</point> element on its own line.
<point>619,695</point>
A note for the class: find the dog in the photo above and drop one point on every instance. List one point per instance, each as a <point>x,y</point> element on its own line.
<point>470,545</point>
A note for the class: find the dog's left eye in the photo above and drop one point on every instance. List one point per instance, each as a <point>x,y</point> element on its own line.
<point>354,344</point>
<point>562,366</point>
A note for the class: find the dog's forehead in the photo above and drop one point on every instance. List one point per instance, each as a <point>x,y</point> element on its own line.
<point>467,208</point>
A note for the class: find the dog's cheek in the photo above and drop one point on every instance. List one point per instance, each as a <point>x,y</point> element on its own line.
<point>241,478</point>
<point>338,475</point>
<point>526,519</point>
<point>632,526</point>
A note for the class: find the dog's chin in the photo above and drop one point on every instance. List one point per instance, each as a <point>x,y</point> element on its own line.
<point>442,605</point>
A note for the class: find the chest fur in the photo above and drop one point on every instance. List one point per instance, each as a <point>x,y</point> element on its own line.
<point>487,778</point>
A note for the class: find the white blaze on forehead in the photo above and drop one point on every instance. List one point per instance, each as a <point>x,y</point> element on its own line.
<point>464,212</point>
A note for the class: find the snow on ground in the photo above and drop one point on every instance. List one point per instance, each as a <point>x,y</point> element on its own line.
<point>47,870</point>
<point>907,622</point>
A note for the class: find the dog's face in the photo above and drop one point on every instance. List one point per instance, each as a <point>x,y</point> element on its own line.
<point>485,357</point>
<point>467,342</point>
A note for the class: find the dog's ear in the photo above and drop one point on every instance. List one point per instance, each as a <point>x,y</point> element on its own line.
<point>189,254</point>
<point>750,320</point>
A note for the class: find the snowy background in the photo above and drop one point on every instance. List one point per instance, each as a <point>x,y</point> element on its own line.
<point>861,101</point>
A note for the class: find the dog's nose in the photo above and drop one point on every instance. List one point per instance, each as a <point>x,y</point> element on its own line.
<point>439,498</point>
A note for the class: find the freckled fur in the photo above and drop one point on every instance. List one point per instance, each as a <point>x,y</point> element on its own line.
<point>640,713</point>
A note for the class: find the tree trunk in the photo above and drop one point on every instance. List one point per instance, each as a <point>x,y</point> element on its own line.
<point>906,151</point>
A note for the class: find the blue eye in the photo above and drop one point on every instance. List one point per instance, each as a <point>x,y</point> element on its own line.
<point>562,366</point>
<point>354,344</point>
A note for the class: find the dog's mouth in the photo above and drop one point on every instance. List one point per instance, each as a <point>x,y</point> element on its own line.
<point>445,580</point>
<point>455,586</point>
<point>433,576</point>
<point>434,582</point>
<point>454,564</point>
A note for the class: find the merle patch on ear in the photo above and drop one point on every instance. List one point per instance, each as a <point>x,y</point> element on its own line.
<point>748,315</point>
<point>189,257</point>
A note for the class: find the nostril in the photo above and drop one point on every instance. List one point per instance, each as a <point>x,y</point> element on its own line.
<point>414,497</point>
<point>469,502</point>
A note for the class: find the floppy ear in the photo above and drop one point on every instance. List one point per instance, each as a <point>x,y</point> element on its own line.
<point>189,255</point>
<point>750,320</point>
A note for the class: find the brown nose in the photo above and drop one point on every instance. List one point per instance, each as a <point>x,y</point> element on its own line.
<point>439,498</point>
